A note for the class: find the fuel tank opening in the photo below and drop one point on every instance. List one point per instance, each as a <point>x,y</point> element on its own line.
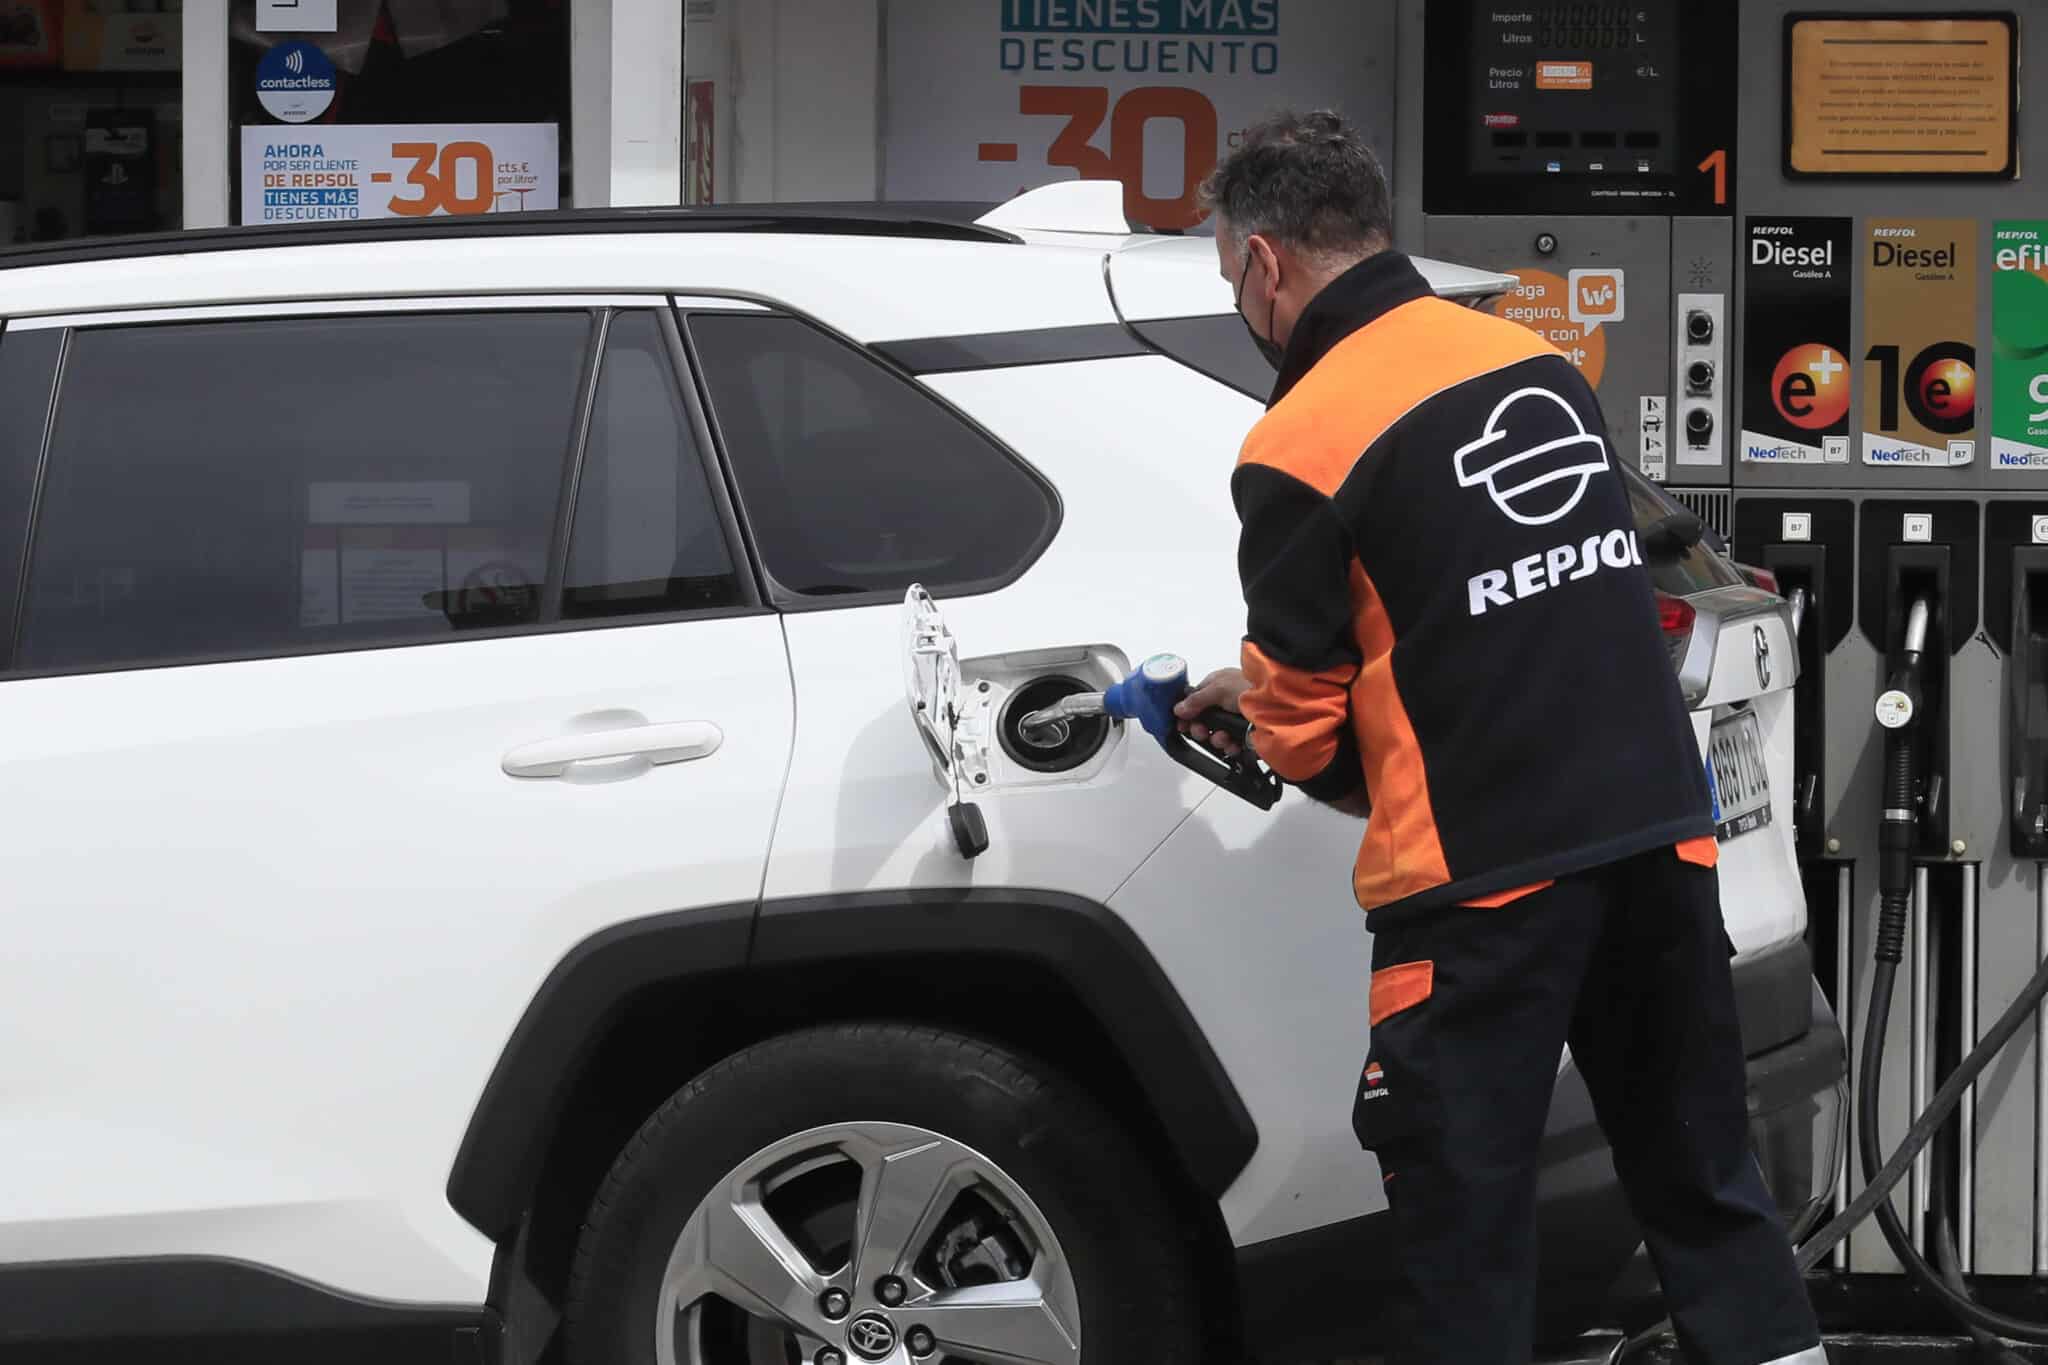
<point>1057,748</point>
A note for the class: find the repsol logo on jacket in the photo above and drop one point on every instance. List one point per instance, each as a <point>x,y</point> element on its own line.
<point>1560,564</point>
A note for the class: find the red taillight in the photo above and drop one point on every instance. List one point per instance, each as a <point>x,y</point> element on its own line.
<point>1675,614</point>
<point>1759,578</point>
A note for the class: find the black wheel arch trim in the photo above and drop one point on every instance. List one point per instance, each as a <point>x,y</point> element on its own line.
<point>1084,944</point>
<point>218,1309</point>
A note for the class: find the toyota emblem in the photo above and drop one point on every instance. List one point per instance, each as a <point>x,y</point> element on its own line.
<point>871,1336</point>
<point>1763,658</point>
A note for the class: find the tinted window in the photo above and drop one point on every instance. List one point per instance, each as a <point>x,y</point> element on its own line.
<point>1218,346</point>
<point>28,369</point>
<point>855,480</point>
<point>648,536</point>
<point>1695,568</point>
<point>233,488</point>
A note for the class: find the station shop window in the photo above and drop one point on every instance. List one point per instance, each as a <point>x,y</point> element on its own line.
<point>426,97</point>
<point>90,127</point>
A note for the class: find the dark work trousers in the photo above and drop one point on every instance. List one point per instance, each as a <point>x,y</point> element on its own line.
<point>1629,963</point>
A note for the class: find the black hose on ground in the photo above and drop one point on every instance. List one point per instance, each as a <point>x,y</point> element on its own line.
<point>1950,1264</point>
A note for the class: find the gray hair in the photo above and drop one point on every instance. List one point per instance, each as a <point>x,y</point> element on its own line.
<point>1307,181</point>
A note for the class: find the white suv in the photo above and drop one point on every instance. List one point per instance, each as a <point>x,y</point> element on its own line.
<point>475,883</point>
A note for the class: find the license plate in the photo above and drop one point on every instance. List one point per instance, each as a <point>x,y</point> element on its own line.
<point>1736,772</point>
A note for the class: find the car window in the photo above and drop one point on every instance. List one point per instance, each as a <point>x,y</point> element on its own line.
<point>853,479</point>
<point>648,536</point>
<point>1696,568</point>
<point>1217,345</point>
<point>28,370</point>
<point>224,489</point>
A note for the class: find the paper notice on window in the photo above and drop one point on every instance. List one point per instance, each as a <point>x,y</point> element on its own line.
<point>1901,96</point>
<point>391,576</point>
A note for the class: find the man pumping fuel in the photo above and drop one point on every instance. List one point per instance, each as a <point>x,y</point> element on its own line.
<point>1449,625</point>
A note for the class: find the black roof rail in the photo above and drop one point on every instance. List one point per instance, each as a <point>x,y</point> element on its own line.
<point>935,222</point>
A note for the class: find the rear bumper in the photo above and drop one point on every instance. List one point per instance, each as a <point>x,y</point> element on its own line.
<point>1798,1114</point>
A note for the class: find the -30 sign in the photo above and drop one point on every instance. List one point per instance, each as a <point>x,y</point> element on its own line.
<point>437,174</point>
<point>1086,108</point>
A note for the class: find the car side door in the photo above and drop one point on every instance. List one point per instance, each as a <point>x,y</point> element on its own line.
<point>370,657</point>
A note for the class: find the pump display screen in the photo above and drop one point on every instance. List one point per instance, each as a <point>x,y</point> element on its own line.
<point>1585,28</point>
<point>1614,108</point>
<point>1580,90</point>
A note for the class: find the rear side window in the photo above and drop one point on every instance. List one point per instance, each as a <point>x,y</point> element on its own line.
<point>291,484</point>
<point>853,479</point>
<point>28,372</point>
<point>648,536</point>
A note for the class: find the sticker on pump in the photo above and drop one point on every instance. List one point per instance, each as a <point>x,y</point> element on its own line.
<point>1920,354</point>
<point>1796,369</point>
<point>1894,709</point>
<point>2019,333</point>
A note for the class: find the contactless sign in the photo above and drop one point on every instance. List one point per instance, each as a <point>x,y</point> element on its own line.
<point>1920,353</point>
<point>295,82</point>
<point>1795,385</point>
<point>2019,350</point>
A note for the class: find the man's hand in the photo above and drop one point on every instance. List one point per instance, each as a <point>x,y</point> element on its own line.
<point>1221,688</point>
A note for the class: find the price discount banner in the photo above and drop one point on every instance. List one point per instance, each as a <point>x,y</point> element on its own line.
<point>334,173</point>
<point>988,98</point>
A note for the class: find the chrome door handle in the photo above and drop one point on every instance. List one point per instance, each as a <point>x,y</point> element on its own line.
<point>674,743</point>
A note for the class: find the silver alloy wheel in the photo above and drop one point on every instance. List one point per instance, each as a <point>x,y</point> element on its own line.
<point>994,1295</point>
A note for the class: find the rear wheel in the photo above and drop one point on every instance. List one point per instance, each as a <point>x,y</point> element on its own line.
<point>880,1195</point>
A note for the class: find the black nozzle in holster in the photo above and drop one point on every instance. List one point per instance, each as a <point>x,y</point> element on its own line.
<point>1902,712</point>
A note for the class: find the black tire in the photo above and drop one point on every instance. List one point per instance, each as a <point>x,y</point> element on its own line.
<point>1131,1265</point>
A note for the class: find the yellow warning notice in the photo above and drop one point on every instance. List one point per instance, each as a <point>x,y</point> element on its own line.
<point>1904,96</point>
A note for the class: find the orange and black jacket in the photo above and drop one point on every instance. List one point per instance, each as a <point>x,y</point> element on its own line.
<point>1447,604</point>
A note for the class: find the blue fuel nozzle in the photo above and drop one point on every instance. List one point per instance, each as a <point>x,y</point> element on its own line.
<point>1149,695</point>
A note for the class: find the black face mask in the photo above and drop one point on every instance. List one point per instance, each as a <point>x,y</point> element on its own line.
<point>1272,350</point>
